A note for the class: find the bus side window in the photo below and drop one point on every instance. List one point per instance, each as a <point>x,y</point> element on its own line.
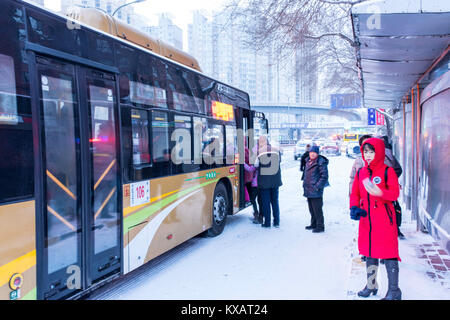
<point>16,137</point>
<point>200,128</point>
<point>231,144</point>
<point>184,90</point>
<point>160,144</point>
<point>140,137</point>
<point>181,151</point>
<point>213,141</point>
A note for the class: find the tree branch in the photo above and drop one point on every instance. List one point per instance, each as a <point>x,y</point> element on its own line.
<point>352,3</point>
<point>340,35</point>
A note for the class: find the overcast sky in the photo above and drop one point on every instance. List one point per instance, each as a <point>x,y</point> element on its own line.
<point>181,10</point>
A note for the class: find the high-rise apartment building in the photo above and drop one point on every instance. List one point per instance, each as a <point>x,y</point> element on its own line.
<point>200,41</point>
<point>167,31</point>
<point>306,73</point>
<point>221,47</point>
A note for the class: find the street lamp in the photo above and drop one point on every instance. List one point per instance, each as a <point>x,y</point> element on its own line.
<point>126,4</point>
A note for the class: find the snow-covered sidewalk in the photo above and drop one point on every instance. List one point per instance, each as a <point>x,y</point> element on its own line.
<point>250,262</point>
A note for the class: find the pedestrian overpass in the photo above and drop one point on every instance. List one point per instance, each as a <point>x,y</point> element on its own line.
<point>287,121</point>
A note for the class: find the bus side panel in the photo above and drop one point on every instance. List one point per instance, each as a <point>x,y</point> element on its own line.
<point>180,208</point>
<point>17,207</point>
<point>234,181</point>
<point>18,249</point>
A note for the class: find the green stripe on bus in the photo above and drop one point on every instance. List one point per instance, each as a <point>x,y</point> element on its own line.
<point>196,178</point>
<point>30,295</point>
<point>140,216</point>
<point>208,175</point>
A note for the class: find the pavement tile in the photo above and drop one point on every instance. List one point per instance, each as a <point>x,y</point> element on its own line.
<point>435,260</point>
<point>439,267</point>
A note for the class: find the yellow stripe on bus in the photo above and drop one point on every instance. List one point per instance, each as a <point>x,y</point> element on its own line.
<point>104,173</point>
<point>66,190</point>
<point>19,265</point>
<point>57,215</point>
<point>129,210</point>
<point>104,203</point>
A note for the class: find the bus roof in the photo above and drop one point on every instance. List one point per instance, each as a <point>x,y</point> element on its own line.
<point>115,27</point>
<point>87,25</point>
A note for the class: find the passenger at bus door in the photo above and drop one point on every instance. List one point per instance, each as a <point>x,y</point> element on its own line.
<point>269,181</point>
<point>251,185</point>
<point>166,155</point>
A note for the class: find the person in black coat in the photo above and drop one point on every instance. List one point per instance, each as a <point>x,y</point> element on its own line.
<point>392,162</point>
<point>315,180</point>
<point>303,160</point>
<point>269,180</point>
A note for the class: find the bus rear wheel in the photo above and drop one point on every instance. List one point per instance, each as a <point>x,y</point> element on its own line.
<point>220,208</point>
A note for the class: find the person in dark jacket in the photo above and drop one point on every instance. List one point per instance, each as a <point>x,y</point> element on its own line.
<point>315,180</point>
<point>392,162</point>
<point>303,160</point>
<point>269,180</point>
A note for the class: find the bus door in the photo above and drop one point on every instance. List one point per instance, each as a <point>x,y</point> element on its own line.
<point>244,122</point>
<point>78,196</point>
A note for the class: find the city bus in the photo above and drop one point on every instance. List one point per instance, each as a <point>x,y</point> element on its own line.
<point>93,183</point>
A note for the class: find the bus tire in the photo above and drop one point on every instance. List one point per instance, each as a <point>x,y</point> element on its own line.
<point>219,212</point>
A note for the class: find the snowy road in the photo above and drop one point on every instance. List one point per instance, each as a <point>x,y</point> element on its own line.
<point>250,262</point>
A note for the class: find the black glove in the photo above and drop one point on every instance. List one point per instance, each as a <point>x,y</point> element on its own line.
<point>356,213</point>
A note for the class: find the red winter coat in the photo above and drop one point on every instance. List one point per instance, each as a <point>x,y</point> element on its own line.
<point>377,236</point>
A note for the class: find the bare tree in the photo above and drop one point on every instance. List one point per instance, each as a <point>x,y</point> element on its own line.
<point>286,25</point>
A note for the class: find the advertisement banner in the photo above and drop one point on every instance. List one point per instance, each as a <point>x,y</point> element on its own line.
<point>345,101</point>
<point>380,118</point>
<point>371,116</point>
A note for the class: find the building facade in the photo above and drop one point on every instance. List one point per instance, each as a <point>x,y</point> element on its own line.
<point>167,31</point>
<point>222,49</point>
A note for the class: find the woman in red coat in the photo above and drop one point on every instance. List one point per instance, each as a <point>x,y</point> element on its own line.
<point>374,188</point>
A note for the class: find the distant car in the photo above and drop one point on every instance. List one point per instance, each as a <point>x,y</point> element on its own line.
<point>300,148</point>
<point>330,148</point>
<point>353,150</point>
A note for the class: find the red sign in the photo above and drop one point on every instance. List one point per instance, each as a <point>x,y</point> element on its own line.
<point>380,118</point>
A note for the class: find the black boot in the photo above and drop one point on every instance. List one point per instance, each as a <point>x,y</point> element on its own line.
<point>394,292</point>
<point>401,236</point>
<point>372,286</point>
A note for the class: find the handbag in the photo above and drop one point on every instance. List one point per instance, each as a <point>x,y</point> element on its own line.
<point>398,212</point>
<point>397,207</point>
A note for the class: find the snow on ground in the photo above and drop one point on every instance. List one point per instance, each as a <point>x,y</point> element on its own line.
<point>250,262</point>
